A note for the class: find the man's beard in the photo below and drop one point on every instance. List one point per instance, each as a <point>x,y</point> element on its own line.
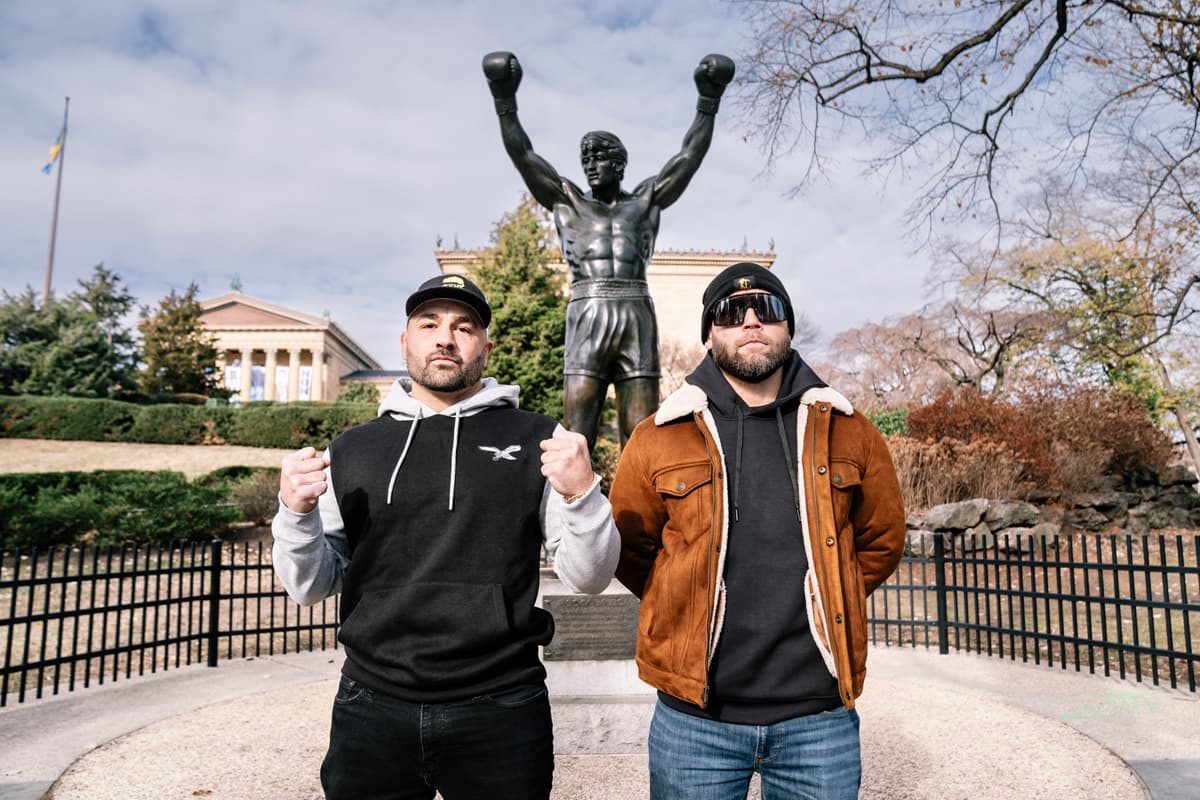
<point>751,367</point>
<point>442,378</point>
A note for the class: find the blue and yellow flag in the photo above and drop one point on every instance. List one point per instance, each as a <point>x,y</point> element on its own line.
<point>56,149</point>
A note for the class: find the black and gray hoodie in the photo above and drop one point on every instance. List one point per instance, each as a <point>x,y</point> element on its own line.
<point>431,529</point>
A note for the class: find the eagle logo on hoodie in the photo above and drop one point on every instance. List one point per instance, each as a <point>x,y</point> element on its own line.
<point>502,455</point>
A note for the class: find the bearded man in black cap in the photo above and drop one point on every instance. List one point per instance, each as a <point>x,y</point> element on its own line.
<point>430,521</point>
<point>757,511</point>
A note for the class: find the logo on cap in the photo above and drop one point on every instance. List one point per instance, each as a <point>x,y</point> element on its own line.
<point>455,281</point>
<point>745,283</point>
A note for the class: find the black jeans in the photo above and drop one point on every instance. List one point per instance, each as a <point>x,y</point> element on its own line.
<point>493,746</point>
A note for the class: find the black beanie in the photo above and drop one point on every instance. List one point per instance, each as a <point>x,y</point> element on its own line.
<point>735,278</point>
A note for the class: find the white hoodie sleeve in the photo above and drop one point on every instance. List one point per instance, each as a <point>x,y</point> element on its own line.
<point>582,538</point>
<point>310,552</point>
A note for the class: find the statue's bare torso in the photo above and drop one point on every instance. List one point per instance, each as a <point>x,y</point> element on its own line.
<point>607,240</point>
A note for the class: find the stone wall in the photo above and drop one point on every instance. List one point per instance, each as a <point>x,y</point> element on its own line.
<point>1133,504</point>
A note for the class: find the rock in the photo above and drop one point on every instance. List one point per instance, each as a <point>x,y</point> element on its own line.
<point>1003,514</point>
<point>1100,500</point>
<point>955,516</point>
<point>1177,475</point>
<point>1015,540</point>
<point>1047,532</point>
<point>1087,519</point>
<point>978,538</point>
<point>918,543</point>
<point>1179,495</point>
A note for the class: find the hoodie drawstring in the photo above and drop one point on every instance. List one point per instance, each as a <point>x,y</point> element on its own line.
<point>454,456</point>
<point>411,432</point>
<point>737,469</point>
<point>792,466</point>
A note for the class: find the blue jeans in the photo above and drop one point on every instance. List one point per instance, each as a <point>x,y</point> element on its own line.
<point>494,746</point>
<point>816,757</point>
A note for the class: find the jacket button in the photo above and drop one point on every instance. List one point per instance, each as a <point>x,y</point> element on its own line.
<point>829,541</point>
<point>837,478</point>
<point>681,486</point>
<point>824,408</point>
<point>821,470</point>
<point>838,619</point>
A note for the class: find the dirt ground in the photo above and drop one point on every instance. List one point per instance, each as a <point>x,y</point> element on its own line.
<point>45,455</point>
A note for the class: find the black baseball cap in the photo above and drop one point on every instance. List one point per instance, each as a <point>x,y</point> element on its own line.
<point>451,287</point>
<point>739,277</point>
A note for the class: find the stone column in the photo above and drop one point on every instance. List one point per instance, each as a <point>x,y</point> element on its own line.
<point>318,378</point>
<point>269,377</point>
<point>222,360</point>
<point>247,362</point>
<point>293,375</point>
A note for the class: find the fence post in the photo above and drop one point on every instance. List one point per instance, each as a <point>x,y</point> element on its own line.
<point>939,567</point>
<point>214,601</point>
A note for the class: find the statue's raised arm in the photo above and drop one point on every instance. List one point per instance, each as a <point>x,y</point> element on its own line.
<point>503,73</point>
<point>712,76</point>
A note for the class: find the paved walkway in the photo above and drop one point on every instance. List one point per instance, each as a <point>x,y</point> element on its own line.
<point>933,726</point>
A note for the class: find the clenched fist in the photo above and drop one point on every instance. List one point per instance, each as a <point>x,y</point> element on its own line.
<point>302,479</point>
<point>713,75</point>
<point>566,463</point>
<point>503,73</point>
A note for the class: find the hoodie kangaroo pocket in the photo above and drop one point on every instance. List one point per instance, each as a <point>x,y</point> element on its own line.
<point>428,632</point>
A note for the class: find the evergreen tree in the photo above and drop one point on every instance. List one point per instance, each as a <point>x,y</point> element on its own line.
<point>178,352</point>
<point>75,346</point>
<point>529,307</point>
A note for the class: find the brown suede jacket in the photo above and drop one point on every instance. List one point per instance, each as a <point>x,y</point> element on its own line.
<point>669,500</point>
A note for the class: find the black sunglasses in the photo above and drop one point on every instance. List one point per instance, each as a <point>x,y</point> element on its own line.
<point>732,310</point>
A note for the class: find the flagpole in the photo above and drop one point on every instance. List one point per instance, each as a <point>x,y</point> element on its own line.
<point>62,155</point>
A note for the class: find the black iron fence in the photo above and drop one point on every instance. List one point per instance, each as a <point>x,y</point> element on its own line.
<point>71,617</point>
<point>1124,605</point>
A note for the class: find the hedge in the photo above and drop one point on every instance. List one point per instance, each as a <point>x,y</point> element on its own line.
<point>288,426</point>
<point>108,506</point>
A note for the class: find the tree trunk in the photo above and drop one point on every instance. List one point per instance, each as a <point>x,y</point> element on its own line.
<point>1181,415</point>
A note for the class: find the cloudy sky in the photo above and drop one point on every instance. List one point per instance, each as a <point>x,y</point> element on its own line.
<point>317,150</point>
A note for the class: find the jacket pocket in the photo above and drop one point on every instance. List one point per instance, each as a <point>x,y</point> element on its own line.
<point>845,477</point>
<point>686,491</point>
<point>428,631</point>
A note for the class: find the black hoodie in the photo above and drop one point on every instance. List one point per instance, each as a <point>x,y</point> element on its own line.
<point>767,667</point>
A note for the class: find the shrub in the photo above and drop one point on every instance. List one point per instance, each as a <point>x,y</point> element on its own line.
<point>174,424</point>
<point>295,425</point>
<point>65,418</point>
<point>361,392</point>
<point>951,470</point>
<point>1064,438</point>
<point>109,506</point>
<point>166,508</point>
<point>257,495</point>
<point>890,422</point>
<point>257,425</point>
<point>605,456</point>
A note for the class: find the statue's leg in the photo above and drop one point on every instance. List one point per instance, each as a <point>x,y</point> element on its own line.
<point>637,398</point>
<point>583,400</point>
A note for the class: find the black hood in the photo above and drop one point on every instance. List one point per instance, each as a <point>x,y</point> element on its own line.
<point>798,378</point>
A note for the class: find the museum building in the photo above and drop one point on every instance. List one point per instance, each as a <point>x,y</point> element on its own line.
<point>267,352</point>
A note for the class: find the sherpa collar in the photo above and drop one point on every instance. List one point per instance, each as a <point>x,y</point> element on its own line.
<point>688,399</point>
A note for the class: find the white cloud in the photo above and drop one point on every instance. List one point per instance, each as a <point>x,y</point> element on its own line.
<point>317,150</point>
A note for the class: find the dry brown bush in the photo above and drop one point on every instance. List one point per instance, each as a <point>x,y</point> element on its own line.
<point>257,495</point>
<point>1065,438</point>
<point>950,470</point>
